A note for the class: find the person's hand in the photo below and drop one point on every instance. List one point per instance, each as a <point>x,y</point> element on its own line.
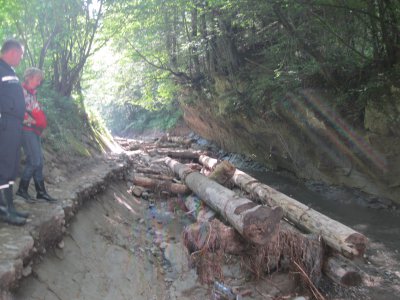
<point>29,121</point>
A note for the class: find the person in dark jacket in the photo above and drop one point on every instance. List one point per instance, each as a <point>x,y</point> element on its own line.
<point>12,111</point>
<point>34,124</point>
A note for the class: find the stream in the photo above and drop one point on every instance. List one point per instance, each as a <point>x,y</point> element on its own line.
<point>341,204</point>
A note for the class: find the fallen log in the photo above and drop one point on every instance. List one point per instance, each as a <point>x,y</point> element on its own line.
<point>345,240</point>
<point>161,185</point>
<point>155,176</point>
<point>186,154</point>
<point>254,222</point>
<point>177,139</point>
<point>342,271</point>
<point>148,170</point>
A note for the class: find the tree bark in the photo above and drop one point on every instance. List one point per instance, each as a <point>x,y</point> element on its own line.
<point>155,176</point>
<point>254,222</point>
<point>342,271</point>
<point>178,153</point>
<point>347,241</point>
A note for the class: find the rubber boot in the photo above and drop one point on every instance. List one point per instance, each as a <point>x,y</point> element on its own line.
<point>2,202</point>
<point>41,192</point>
<point>8,194</point>
<point>6,216</point>
<point>23,191</point>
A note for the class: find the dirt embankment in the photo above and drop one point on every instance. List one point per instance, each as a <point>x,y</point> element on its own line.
<point>306,136</point>
<point>46,225</point>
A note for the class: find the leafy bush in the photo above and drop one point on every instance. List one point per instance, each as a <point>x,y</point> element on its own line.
<point>68,123</point>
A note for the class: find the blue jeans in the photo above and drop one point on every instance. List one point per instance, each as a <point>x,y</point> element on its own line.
<point>32,146</point>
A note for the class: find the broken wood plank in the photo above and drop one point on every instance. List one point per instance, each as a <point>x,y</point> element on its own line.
<point>256,223</point>
<point>338,236</point>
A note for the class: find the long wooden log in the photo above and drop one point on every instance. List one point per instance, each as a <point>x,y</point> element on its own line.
<point>147,170</point>
<point>338,236</point>
<point>176,153</point>
<point>155,176</point>
<point>256,223</point>
<point>177,139</point>
<point>161,185</point>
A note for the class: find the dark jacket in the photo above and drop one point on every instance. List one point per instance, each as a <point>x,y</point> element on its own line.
<point>12,110</point>
<point>12,101</point>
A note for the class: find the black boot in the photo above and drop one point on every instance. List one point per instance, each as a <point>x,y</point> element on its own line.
<point>5,216</point>
<point>2,202</point>
<point>23,191</point>
<point>41,192</point>
<point>10,214</point>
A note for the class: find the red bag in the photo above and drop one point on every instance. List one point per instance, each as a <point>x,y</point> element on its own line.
<point>40,118</point>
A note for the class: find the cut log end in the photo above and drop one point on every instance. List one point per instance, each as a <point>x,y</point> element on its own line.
<point>358,242</point>
<point>342,271</point>
<point>260,225</point>
<point>351,279</point>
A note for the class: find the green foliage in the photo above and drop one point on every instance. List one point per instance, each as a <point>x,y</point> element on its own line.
<point>69,126</point>
<point>132,119</point>
<point>157,50</point>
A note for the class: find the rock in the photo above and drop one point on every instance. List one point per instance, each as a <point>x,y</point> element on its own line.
<point>27,271</point>
<point>61,244</point>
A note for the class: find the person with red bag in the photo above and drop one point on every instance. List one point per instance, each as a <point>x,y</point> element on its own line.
<point>34,123</point>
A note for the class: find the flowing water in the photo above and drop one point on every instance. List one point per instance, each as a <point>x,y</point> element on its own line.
<point>381,263</point>
<point>344,205</point>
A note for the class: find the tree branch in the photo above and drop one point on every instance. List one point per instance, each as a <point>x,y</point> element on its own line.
<point>160,67</point>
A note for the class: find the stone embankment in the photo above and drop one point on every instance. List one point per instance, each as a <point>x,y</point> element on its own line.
<point>46,225</point>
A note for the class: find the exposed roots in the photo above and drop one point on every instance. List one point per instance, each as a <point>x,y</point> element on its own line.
<point>204,246</point>
<point>288,250</point>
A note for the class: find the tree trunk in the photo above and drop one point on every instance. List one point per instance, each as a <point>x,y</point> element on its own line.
<point>254,222</point>
<point>348,242</point>
<point>342,271</point>
<point>177,153</point>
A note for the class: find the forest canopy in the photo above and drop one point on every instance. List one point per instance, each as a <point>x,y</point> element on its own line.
<point>349,47</point>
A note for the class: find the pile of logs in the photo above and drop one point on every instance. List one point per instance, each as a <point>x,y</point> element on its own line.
<point>268,229</point>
